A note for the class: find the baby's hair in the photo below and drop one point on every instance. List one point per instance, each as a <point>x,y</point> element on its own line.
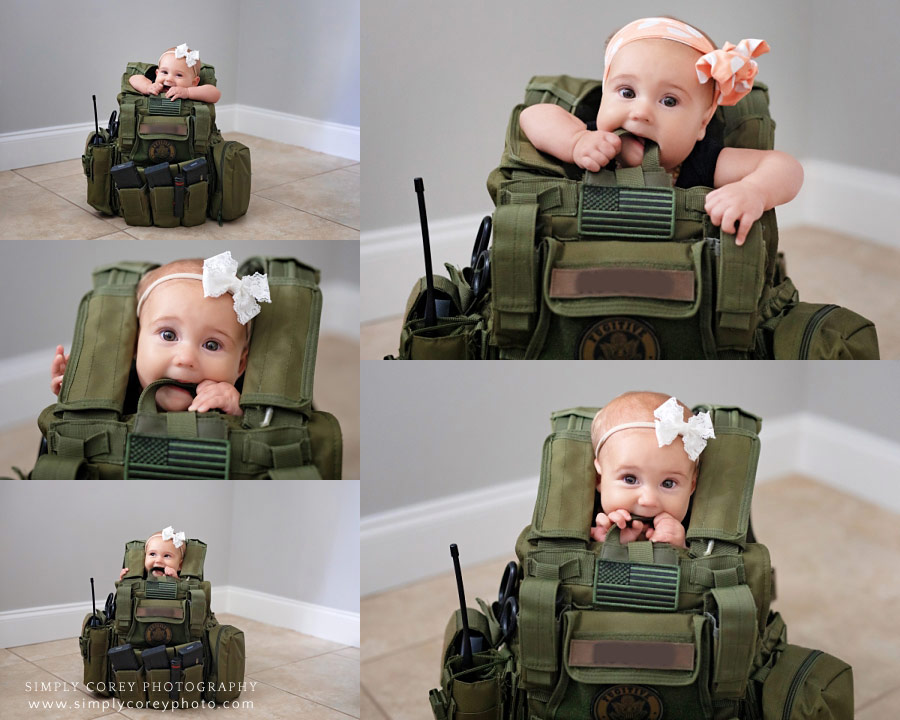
<point>633,406</point>
<point>668,17</point>
<point>188,265</point>
<point>198,66</point>
<point>183,545</point>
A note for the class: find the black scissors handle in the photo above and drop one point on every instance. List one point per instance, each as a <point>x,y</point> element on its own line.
<point>481,258</point>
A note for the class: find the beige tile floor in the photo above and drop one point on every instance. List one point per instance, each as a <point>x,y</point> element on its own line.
<point>826,267</point>
<point>336,390</point>
<point>297,194</point>
<point>297,677</point>
<point>837,584</point>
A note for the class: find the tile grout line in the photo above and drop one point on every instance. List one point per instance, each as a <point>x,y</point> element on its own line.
<point>303,697</point>
<point>374,701</point>
<point>399,650</point>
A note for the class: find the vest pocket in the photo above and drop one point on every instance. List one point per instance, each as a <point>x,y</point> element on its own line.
<point>129,686</point>
<point>195,199</point>
<point>94,643</point>
<point>162,201</point>
<point>226,673</point>
<point>96,162</point>
<point>231,194</point>
<point>158,684</point>
<point>824,332</point>
<point>135,206</point>
<point>191,685</point>
<point>808,683</point>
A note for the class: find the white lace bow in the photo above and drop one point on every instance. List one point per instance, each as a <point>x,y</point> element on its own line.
<point>177,538</point>
<point>220,276</point>
<point>190,56</point>
<point>670,424</point>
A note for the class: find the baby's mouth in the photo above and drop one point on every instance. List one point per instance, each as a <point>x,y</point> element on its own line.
<point>158,571</point>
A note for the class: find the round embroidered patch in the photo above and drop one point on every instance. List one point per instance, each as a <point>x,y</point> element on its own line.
<point>158,634</point>
<point>618,338</point>
<point>161,151</point>
<point>627,702</point>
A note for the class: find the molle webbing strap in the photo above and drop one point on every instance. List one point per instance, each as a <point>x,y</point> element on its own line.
<point>538,637</point>
<point>55,467</point>
<point>578,419</point>
<point>199,608</point>
<point>565,501</point>
<point>282,356</point>
<point>741,273</point>
<point>554,196</point>
<point>514,274</point>
<point>127,123</point>
<point>735,645</point>
<point>123,605</point>
<point>202,125</point>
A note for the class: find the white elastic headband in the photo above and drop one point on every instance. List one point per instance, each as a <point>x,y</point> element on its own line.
<point>669,424</point>
<point>220,277</point>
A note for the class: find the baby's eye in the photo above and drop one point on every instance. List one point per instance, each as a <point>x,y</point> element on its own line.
<point>668,484</point>
<point>669,101</point>
<point>626,92</point>
<point>167,335</point>
<point>212,345</point>
<point>629,480</point>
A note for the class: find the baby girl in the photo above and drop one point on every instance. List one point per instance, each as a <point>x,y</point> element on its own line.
<point>190,330</point>
<point>178,75</point>
<point>163,554</point>
<point>646,478</point>
<point>663,80</point>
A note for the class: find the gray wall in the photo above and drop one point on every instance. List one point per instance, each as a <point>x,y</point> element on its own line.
<point>59,534</point>
<point>301,58</point>
<point>46,280</point>
<point>463,426</point>
<point>298,58</point>
<point>440,79</point>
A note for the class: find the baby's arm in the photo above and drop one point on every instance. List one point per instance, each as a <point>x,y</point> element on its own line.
<point>558,133</point>
<point>145,85</point>
<point>750,182</point>
<point>206,93</point>
<point>667,529</point>
<point>212,395</point>
<point>58,369</point>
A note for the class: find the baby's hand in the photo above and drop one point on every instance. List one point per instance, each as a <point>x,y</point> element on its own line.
<point>666,529</point>
<point>620,518</point>
<point>595,149</point>
<point>58,369</point>
<point>155,88</point>
<point>171,572</point>
<point>177,92</point>
<point>122,574</point>
<point>740,202</point>
<point>212,395</point>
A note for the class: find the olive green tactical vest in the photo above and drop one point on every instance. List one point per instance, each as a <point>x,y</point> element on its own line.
<point>643,630</point>
<point>91,432</point>
<point>150,612</point>
<point>622,265</point>
<point>153,130</point>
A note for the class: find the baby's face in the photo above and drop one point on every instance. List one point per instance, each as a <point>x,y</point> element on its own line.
<point>652,91</point>
<point>160,554</point>
<point>639,476</point>
<point>187,337</point>
<point>174,72</point>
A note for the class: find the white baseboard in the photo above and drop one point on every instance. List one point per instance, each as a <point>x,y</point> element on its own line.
<point>410,543</point>
<point>319,135</point>
<point>25,148</point>
<point>58,622</point>
<point>25,384</point>
<point>843,198</point>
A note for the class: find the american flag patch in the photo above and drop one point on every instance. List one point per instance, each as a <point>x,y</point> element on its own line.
<point>645,213</point>
<point>151,457</point>
<point>636,585</point>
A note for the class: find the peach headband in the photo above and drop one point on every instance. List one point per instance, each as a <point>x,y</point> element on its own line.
<point>732,67</point>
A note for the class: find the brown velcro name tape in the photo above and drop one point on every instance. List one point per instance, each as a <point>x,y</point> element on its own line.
<point>160,129</point>
<point>570,283</point>
<point>631,654</point>
<point>167,612</point>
